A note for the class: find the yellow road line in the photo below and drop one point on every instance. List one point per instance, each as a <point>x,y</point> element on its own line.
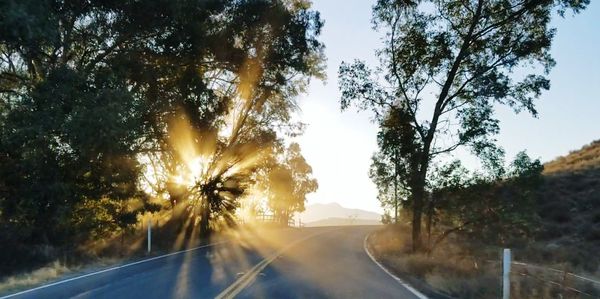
<point>245,280</point>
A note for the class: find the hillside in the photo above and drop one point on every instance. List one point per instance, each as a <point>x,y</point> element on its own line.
<point>335,213</point>
<point>587,158</point>
<point>564,235</point>
<point>569,206</point>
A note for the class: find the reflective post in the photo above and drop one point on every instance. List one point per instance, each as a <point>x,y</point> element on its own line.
<point>149,234</point>
<point>506,274</point>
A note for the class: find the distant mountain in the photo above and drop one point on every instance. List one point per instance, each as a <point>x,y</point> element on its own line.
<point>342,221</point>
<point>335,213</point>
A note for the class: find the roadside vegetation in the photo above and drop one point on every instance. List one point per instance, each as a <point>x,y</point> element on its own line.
<point>113,113</point>
<point>461,268</point>
<point>560,238</point>
<point>444,69</point>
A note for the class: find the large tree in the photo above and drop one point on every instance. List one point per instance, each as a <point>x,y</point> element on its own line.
<point>289,183</point>
<point>261,57</point>
<point>71,121</point>
<point>447,65</point>
<point>88,90</point>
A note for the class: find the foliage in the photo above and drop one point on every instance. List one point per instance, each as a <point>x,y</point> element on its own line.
<point>464,268</point>
<point>249,81</point>
<point>391,165</point>
<point>88,92</point>
<point>470,56</point>
<point>68,141</point>
<point>488,210</point>
<point>289,183</point>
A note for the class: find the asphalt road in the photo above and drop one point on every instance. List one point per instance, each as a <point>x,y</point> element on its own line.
<point>294,263</point>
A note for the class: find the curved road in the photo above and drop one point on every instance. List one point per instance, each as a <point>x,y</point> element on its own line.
<point>327,262</point>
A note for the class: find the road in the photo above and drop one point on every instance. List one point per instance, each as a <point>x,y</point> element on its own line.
<point>294,263</point>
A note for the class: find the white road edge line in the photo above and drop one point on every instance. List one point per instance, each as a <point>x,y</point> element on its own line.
<point>400,281</point>
<point>109,269</point>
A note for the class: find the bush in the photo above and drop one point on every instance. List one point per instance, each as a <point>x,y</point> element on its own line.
<point>484,285</point>
<point>464,268</point>
<point>593,233</point>
<point>18,255</point>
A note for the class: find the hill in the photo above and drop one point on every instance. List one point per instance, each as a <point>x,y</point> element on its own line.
<point>342,221</point>
<point>564,234</point>
<point>568,204</point>
<point>335,213</point>
<point>584,159</point>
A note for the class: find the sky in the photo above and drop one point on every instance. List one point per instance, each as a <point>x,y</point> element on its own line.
<point>339,145</point>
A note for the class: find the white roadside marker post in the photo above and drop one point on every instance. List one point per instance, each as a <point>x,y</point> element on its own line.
<point>506,274</point>
<point>149,235</point>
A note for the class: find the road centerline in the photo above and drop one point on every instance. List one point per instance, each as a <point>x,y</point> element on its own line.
<point>245,280</point>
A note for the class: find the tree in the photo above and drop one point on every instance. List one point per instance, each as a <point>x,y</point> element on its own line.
<point>71,118</point>
<point>269,56</point>
<point>68,141</point>
<point>389,167</point>
<point>471,56</point>
<point>289,183</point>
<point>381,173</point>
<point>89,90</point>
<point>486,208</point>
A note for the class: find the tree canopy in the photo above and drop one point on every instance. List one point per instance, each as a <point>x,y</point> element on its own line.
<point>92,92</point>
<point>446,65</point>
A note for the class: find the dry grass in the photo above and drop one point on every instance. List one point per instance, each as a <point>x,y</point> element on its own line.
<point>50,272</point>
<point>569,208</point>
<point>567,237</point>
<point>587,157</point>
<point>458,272</point>
<point>447,270</point>
<point>44,274</point>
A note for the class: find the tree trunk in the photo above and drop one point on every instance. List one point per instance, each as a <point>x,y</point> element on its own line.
<point>417,243</point>
<point>395,202</point>
<point>204,219</point>
<point>284,218</point>
<point>418,194</point>
<point>122,244</point>
<point>429,221</point>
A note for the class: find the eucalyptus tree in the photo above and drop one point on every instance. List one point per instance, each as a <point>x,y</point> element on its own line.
<point>289,183</point>
<point>389,167</point>
<point>446,65</point>
<point>71,120</point>
<point>259,57</point>
<point>89,87</point>
<point>382,173</point>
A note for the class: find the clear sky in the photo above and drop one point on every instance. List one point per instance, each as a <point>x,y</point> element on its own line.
<point>339,145</point>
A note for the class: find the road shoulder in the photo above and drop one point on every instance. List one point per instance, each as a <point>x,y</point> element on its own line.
<point>416,286</point>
